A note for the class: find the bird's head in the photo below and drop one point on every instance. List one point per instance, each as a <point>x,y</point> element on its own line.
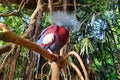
<point>68,21</point>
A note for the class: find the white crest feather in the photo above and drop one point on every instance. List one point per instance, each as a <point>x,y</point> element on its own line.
<point>66,20</point>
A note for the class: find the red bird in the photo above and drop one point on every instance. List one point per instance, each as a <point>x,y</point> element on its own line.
<point>54,37</point>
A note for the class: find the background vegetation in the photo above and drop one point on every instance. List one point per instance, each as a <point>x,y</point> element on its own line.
<point>97,41</point>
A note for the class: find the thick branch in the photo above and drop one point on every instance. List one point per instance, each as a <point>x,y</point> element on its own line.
<point>55,71</point>
<point>9,36</point>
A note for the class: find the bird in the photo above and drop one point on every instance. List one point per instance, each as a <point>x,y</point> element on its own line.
<point>55,36</point>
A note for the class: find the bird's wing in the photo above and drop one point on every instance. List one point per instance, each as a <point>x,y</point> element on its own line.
<point>48,39</point>
<point>43,32</point>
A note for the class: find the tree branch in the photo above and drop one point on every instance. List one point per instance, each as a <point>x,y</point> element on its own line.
<point>55,71</point>
<point>80,61</point>
<point>5,60</point>
<point>8,36</point>
<point>13,64</point>
<point>22,4</point>
<point>5,48</point>
<point>77,70</point>
<point>39,7</point>
<point>50,6</point>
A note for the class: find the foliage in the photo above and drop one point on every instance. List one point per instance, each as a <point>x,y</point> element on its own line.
<point>94,41</point>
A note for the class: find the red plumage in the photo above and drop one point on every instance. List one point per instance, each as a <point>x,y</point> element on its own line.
<point>54,37</point>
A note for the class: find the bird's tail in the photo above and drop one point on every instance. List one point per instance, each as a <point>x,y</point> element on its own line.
<point>37,67</point>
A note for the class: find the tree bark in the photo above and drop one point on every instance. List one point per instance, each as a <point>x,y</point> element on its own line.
<point>8,36</point>
<point>55,71</point>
